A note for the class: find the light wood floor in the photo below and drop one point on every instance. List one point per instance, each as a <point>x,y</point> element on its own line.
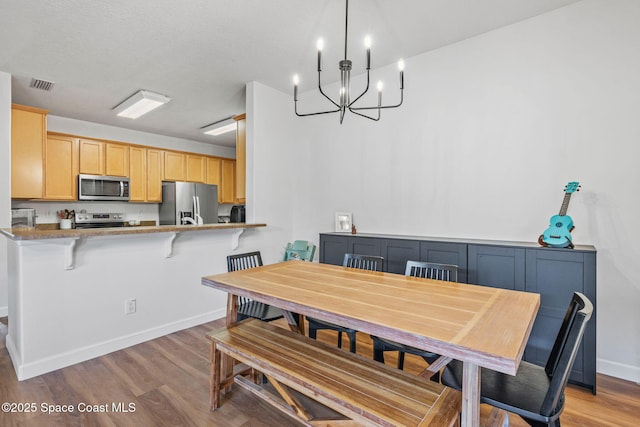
<point>167,383</point>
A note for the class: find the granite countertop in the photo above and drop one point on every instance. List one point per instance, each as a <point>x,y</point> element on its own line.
<point>38,234</point>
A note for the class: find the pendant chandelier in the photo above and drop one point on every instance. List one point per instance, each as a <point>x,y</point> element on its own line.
<point>345,101</point>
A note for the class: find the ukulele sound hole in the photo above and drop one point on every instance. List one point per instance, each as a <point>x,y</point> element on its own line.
<point>558,224</point>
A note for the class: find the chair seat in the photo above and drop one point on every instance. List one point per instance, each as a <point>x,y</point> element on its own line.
<point>525,392</point>
<point>259,310</point>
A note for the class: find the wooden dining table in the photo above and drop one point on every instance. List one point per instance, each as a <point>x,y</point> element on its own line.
<point>481,326</point>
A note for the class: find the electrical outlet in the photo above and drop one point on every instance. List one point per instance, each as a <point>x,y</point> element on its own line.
<point>130,306</point>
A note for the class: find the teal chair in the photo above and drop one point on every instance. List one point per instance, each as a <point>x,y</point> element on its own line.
<point>300,249</point>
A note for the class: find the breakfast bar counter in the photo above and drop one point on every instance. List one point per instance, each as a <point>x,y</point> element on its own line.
<point>39,234</point>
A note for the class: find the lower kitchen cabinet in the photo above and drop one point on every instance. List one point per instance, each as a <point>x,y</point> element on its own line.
<point>551,272</point>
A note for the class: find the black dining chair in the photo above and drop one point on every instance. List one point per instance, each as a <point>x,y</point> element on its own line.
<point>246,306</point>
<point>535,393</point>
<point>428,270</point>
<point>362,262</point>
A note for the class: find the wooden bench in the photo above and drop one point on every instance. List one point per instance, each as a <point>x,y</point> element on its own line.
<point>366,392</point>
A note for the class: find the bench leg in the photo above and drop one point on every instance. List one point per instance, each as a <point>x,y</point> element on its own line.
<point>214,395</point>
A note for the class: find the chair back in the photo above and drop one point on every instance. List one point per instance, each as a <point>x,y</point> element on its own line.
<point>564,351</point>
<point>300,249</point>
<point>363,262</point>
<point>244,261</point>
<point>432,270</point>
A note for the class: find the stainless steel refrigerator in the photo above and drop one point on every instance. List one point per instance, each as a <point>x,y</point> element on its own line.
<point>183,201</point>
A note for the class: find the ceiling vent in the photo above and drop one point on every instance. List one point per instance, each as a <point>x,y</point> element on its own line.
<point>41,84</point>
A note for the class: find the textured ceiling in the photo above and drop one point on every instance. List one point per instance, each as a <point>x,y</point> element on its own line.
<point>201,53</point>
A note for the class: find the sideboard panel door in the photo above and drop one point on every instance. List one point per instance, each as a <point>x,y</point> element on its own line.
<point>446,253</point>
<point>496,266</point>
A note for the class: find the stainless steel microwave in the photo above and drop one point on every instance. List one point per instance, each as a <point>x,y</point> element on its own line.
<point>97,187</point>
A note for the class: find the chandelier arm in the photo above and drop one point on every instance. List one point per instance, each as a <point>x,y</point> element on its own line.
<point>375,119</point>
<point>379,107</point>
<point>314,114</point>
<point>325,95</point>
<point>360,96</point>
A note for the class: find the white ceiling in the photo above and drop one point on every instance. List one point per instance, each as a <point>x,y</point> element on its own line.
<point>201,53</point>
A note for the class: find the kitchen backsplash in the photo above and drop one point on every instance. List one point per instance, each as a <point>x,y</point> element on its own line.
<point>46,212</point>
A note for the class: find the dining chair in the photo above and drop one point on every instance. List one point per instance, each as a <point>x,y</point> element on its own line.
<point>427,270</point>
<point>246,306</point>
<point>299,249</point>
<point>362,262</point>
<point>535,393</point>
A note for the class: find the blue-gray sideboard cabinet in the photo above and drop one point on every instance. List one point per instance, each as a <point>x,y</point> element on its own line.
<point>552,272</point>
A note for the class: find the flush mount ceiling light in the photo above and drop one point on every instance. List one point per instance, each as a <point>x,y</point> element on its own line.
<point>345,103</point>
<point>220,127</point>
<point>140,103</point>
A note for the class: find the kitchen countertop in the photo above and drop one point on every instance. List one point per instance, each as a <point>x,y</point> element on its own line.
<point>37,234</point>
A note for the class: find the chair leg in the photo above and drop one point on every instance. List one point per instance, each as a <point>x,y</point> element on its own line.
<point>312,331</point>
<point>352,342</point>
<point>378,351</point>
<point>401,360</point>
<point>339,339</point>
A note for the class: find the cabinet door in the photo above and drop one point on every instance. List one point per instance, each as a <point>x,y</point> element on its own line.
<point>196,168</point>
<point>28,134</point>
<point>137,174</point>
<point>228,181</point>
<point>241,156</point>
<point>555,275</point>
<point>496,266</point>
<point>333,248</point>
<point>446,253</point>
<point>61,168</point>
<point>397,252</point>
<point>116,159</point>
<point>154,175</point>
<point>91,157</point>
<point>214,172</point>
<point>174,166</point>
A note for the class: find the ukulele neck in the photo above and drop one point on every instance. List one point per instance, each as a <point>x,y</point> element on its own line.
<point>565,204</point>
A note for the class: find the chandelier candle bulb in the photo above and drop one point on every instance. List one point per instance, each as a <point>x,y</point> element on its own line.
<point>296,80</point>
<point>320,46</point>
<point>367,45</point>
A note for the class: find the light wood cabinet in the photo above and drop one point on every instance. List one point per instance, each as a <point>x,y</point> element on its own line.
<point>154,175</point>
<point>61,168</point>
<point>116,159</point>
<point>227,185</point>
<point>196,168</point>
<point>91,157</point>
<point>137,174</point>
<point>214,171</point>
<point>174,166</point>
<point>145,179</point>
<point>28,134</point>
<point>103,158</point>
<point>241,158</point>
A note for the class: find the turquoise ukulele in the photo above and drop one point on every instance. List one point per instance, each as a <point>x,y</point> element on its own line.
<point>558,235</point>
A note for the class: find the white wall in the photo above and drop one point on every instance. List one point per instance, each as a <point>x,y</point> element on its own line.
<point>5,180</point>
<point>491,131</point>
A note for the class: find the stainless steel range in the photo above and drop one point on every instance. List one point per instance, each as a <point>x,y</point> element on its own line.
<point>99,220</point>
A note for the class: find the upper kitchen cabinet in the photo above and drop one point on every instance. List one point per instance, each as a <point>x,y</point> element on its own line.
<point>103,158</point>
<point>175,166</point>
<point>196,168</point>
<point>227,185</point>
<point>241,158</point>
<point>61,168</point>
<point>214,171</point>
<point>145,179</point>
<point>28,134</point>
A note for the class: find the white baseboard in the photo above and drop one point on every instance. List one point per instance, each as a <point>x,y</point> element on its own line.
<point>619,370</point>
<point>4,311</point>
<point>57,361</point>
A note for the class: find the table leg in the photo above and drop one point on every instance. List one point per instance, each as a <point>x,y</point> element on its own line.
<point>232,317</point>
<point>470,395</point>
